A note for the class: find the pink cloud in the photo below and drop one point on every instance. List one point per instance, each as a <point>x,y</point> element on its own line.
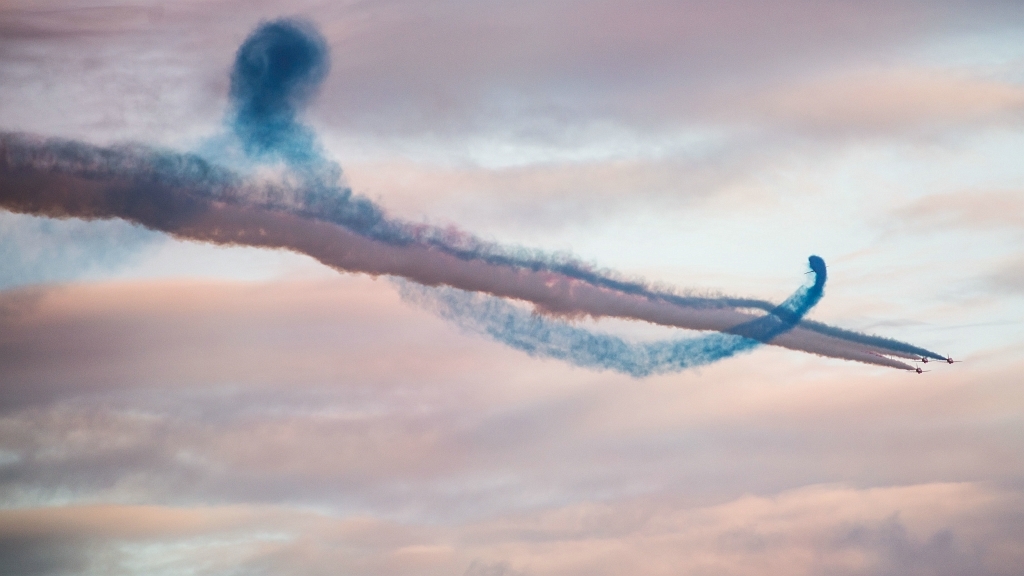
<point>888,101</point>
<point>928,528</point>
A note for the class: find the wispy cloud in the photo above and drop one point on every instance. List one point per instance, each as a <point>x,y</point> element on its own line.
<point>968,209</point>
<point>814,530</point>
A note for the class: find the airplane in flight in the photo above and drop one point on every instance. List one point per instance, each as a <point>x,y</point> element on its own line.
<point>947,360</point>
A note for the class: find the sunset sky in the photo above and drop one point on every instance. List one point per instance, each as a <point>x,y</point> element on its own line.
<point>171,407</point>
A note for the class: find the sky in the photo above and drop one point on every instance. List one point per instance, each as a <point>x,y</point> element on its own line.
<point>169,406</point>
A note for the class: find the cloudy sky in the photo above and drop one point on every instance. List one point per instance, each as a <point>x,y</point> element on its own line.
<point>170,407</point>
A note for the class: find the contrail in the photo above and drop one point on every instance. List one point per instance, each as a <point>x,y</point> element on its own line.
<point>308,210</point>
<point>187,197</point>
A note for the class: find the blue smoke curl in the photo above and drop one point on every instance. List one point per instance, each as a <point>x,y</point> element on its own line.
<point>544,337</point>
<point>277,71</point>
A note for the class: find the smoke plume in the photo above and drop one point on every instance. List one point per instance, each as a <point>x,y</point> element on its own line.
<point>307,208</point>
<point>541,336</point>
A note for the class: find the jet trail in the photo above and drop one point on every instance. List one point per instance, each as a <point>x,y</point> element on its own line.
<point>540,336</point>
<point>307,209</point>
<point>188,198</point>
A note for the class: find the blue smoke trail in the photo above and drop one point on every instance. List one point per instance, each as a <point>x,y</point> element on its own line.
<point>279,68</point>
<point>540,336</point>
<point>277,71</point>
<point>187,197</point>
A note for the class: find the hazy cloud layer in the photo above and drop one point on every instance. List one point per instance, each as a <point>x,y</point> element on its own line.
<point>316,424</point>
<point>302,392</point>
<point>930,529</point>
<point>969,209</point>
<point>674,101</point>
<point>535,69</point>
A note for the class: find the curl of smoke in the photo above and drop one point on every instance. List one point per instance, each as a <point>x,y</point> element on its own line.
<point>540,336</point>
<point>277,71</point>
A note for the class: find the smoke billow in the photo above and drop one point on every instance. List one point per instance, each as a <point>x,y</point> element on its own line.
<point>277,70</point>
